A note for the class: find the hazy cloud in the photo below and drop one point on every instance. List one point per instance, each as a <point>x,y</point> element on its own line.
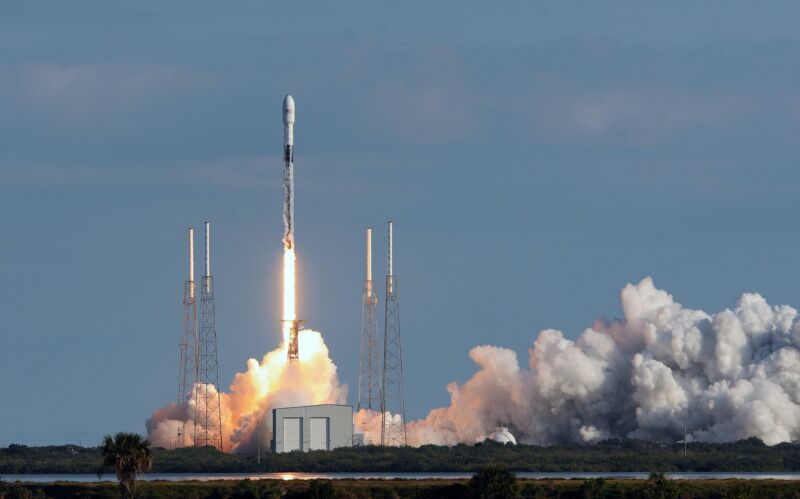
<point>231,173</point>
<point>92,88</point>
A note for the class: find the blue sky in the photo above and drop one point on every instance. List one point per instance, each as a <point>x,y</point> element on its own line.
<point>535,158</point>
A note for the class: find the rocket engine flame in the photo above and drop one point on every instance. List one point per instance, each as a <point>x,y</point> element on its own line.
<point>290,324</point>
<point>289,309</point>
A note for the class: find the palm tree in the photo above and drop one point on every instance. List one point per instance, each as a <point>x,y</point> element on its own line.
<point>130,455</point>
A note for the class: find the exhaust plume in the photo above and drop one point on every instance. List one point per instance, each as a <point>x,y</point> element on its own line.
<point>734,374</point>
<point>273,382</point>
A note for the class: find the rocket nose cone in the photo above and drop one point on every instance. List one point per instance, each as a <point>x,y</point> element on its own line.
<point>288,110</point>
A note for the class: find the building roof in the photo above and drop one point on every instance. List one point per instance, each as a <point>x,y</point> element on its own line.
<point>313,405</point>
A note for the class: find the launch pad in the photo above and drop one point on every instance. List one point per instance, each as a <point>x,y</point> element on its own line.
<point>292,351</point>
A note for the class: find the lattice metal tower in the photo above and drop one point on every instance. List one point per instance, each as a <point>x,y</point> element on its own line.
<point>393,417</point>
<point>369,374</point>
<point>207,418</point>
<point>188,346</point>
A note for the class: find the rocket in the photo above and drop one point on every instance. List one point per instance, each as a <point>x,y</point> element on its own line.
<point>290,321</point>
<point>288,172</point>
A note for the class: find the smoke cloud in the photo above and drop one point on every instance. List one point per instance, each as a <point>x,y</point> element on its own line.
<point>732,375</point>
<point>273,382</point>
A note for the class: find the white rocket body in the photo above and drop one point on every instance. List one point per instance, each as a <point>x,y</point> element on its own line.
<point>288,173</point>
<point>288,120</point>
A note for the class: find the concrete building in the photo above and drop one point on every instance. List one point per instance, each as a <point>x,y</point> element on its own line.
<point>312,427</point>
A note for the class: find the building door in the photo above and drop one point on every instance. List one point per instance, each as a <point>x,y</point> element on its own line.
<point>292,434</point>
<point>319,434</point>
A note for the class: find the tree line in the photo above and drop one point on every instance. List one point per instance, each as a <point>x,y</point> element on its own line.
<point>612,455</point>
<point>129,455</point>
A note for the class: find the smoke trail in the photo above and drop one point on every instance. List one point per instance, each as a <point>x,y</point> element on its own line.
<point>273,382</point>
<point>732,375</point>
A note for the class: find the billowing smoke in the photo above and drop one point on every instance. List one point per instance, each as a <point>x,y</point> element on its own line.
<point>273,382</point>
<point>732,375</point>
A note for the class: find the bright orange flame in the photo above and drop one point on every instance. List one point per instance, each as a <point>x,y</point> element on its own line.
<point>289,310</point>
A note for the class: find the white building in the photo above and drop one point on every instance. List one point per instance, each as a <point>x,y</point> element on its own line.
<point>312,427</point>
<point>502,436</point>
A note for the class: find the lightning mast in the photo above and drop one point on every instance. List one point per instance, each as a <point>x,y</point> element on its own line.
<point>187,368</point>
<point>393,424</point>
<point>207,418</point>
<point>369,376</point>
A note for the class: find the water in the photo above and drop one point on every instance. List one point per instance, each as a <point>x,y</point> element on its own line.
<point>180,477</point>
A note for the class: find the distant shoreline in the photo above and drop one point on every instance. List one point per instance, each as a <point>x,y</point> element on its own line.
<point>652,487</point>
<point>390,477</point>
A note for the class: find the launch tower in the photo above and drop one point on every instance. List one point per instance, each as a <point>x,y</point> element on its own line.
<point>369,375</point>
<point>207,418</point>
<point>393,417</point>
<point>187,370</point>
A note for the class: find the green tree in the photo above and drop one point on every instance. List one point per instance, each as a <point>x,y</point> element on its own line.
<point>18,491</point>
<point>532,490</point>
<point>658,486</point>
<point>594,488</point>
<point>129,454</point>
<point>494,482</point>
<point>255,489</point>
<point>321,489</point>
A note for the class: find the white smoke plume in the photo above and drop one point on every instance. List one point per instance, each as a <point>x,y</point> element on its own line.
<point>273,382</point>
<point>732,375</point>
